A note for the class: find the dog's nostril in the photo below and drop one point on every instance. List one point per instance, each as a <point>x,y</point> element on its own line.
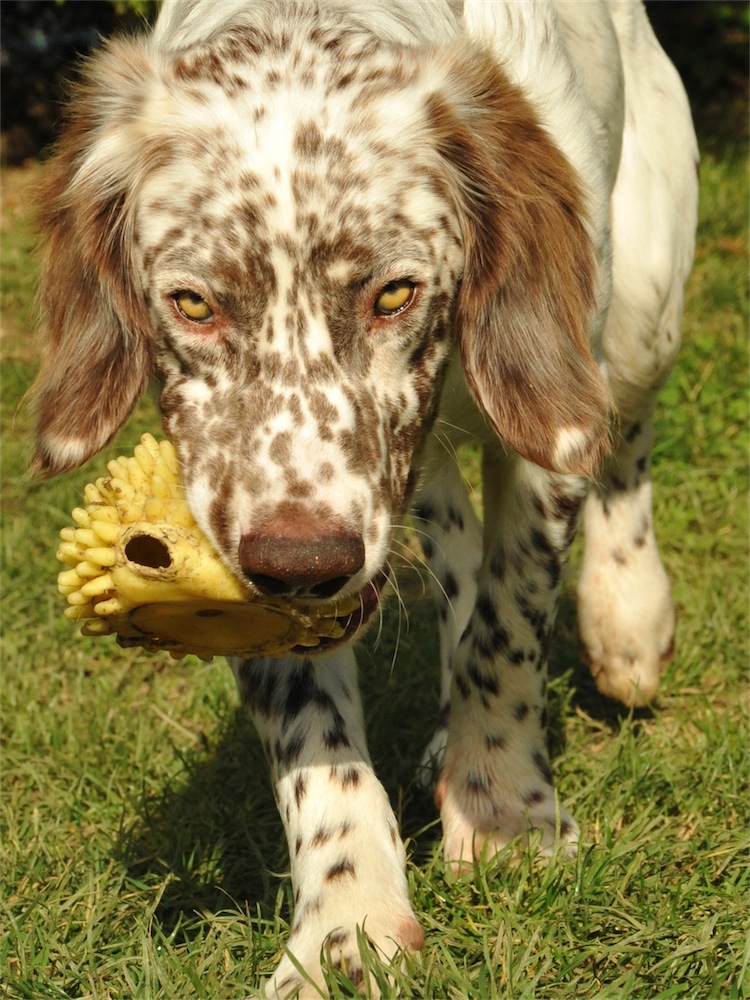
<point>269,586</point>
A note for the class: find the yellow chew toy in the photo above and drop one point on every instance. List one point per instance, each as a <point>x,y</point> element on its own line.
<point>142,569</point>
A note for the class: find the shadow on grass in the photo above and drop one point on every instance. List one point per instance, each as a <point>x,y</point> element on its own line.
<point>213,840</point>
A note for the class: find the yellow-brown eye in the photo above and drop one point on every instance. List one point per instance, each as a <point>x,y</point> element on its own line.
<point>394,297</point>
<point>193,307</point>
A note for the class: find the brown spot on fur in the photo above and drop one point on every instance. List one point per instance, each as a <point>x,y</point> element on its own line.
<point>341,870</point>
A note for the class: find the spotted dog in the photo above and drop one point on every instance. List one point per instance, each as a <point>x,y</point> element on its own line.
<point>344,238</point>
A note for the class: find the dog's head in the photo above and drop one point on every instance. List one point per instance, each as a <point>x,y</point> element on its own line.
<point>291,227</point>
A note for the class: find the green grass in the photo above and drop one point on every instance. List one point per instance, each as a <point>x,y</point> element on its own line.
<point>141,854</point>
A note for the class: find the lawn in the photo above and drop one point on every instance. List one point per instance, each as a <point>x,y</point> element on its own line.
<point>141,855</point>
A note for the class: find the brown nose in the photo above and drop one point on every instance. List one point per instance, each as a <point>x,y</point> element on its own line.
<point>297,555</point>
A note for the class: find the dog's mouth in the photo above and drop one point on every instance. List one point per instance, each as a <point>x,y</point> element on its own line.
<point>354,621</point>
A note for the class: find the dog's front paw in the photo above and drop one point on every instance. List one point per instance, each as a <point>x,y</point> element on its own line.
<point>480,821</point>
<point>314,948</point>
<point>626,624</point>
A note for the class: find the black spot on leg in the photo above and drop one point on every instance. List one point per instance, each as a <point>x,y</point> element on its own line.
<point>483,682</point>
<point>632,433</point>
<point>335,736</point>
<point>491,643</point>
<point>424,512</point>
<point>450,586</point>
<point>478,784</point>
<point>498,564</point>
<point>350,777</point>
<point>542,765</point>
<point>535,617</point>
<point>258,687</point>
<point>541,543</point>
<point>301,690</point>
<point>485,607</point>
<point>321,837</point>
<point>309,908</point>
<point>551,560</point>
<point>564,506</point>
<point>456,518</point>
<point>300,788</point>
<point>298,845</point>
<point>337,938</point>
<point>341,870</point>
<point>289,752</point>
<point>494,741</point>
<point>463,687</point>
<point>520,711</point>
<point>538,505</point>
<point>534,798</point>
<point>355,974</point>
<point>619,557</point>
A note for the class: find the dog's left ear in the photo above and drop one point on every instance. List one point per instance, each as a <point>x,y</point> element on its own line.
<point>528,298</point>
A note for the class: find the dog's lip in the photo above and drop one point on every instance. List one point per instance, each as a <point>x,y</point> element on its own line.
<point>353,621</point>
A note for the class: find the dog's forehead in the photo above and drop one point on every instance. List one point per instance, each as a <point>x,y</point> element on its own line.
<point>287,145</point>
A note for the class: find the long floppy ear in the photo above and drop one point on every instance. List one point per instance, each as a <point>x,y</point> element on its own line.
<point>99,350</point>
<point>527,302</point>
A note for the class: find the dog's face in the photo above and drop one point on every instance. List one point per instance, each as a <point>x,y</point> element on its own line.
<point>291,232</point>
<point>301,262</point>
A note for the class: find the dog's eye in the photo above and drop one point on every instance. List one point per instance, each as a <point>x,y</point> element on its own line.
<point>192,306</point>
<point>394,297</point>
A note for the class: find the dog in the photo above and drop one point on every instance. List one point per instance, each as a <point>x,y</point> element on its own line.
<point>344,238</point>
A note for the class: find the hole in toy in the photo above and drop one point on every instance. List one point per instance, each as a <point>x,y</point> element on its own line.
<point>209,613</point>
<point>148,551</point>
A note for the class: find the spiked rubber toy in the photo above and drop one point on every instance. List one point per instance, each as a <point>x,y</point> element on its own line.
<point>140,568</point>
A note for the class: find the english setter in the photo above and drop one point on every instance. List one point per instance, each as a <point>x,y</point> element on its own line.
<point>345,237</point>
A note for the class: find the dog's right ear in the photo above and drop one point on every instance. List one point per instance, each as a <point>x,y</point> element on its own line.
<point>99,351</point>
<point>529,298</point>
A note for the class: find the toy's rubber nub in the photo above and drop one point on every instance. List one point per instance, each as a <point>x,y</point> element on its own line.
<point>141,568</point>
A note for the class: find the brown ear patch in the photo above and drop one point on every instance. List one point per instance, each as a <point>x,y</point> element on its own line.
<point>528,298</point>
<point>99,351</point>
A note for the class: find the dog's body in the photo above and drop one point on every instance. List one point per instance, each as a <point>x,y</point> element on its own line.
<point>345,238</point>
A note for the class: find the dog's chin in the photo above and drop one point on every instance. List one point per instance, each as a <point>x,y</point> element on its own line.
<point>355,622</point>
